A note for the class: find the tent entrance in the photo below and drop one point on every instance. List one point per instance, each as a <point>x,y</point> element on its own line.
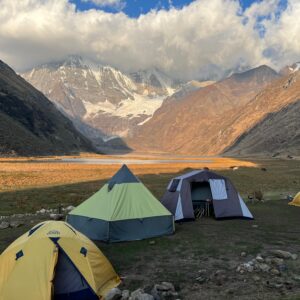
<point>202,199</point>
<point>68,282</point>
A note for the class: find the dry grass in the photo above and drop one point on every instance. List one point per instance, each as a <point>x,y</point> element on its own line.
<point>19,173</point>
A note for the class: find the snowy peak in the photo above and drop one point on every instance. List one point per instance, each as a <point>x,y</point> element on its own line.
<point>102,96</point>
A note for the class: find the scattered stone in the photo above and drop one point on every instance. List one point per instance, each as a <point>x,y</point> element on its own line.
<point>114,294</point>
<point>256,278</point>
<point>42,211</point>
<point>201,279</point>
<point>284,254</point>
<point>259,259</point>
<point>282,268</point>
<point>277,261</point>
<point>254,226</point>
<point>243,254</point>
<point>264,267</point>
<point>202,271</point>
<point>69,208</point>
<point>275,272</point>
<point>125,295</point>
<point>296,277</point>
<point>164,286</point>
<point>229,291</point>
<point>245,267</point>
<point>274,285</point>
<point>4,225</point>
<point>139,294</point>
<point>56,217</point>
<point>16,224</point>
<point>152,243</point>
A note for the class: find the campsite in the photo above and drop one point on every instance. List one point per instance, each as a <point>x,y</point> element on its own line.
<point>205,257</point>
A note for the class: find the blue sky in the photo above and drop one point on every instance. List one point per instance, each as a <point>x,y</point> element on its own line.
<point>134,8</point>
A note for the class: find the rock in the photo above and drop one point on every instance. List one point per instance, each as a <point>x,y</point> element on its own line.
<point>256,278</point>
<point>254,226</point>
<point>274,285</point>
<point>125,295</point>
<point>15,224</point>
<point>69,208</point>
<point>246,267</point>
<point>202,271</point>
<point>259,259</point>
<point>275,272</point>
<point>56,217</point>
<point>139,294</point>
<point>201,279</point>
<point>283,254</point>
<point>152,243</point>
<point>229,291</point>
<point>42,211</point>
<point>4,225</point>
<point>282,268</point>
<point>264,267</point>
<point>114,294</point>
<point>243,254</point>
<point>164,286</point>
<point>296,278</point>
<point>276,261</point>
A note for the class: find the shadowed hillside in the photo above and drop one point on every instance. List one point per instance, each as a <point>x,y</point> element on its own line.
<point>30,124</point>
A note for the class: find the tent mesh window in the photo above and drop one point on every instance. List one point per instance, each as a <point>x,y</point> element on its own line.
<point>202,199</point>
<point>174,185</point>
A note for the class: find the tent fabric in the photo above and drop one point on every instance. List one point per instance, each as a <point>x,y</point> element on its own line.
<point>125,211</point>
<point>218,189</point>
<point>43,247</point>
<point>296,200</point>
<point>227,203</point>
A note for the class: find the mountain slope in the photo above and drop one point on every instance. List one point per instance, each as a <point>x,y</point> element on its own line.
<point>101,96</point>
<point>30,124</point>
<point>277,134</point>
<point>188,125</point>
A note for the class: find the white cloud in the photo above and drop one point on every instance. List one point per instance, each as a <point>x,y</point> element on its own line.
<point>118,4</point>
<point>204,38</point>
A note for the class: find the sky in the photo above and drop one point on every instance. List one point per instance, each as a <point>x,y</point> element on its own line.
<point>200,39</point>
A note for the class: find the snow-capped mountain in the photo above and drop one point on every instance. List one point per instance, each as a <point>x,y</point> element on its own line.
<point>101,96</point>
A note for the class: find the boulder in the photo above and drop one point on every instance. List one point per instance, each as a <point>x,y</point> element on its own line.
<point>114,294</point>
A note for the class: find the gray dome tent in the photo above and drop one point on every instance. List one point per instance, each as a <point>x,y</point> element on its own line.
<point>185,190</point>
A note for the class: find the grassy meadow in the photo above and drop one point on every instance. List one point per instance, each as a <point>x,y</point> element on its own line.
<point>208,245</point>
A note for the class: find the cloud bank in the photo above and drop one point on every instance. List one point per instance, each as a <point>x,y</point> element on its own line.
<point>202,40</point>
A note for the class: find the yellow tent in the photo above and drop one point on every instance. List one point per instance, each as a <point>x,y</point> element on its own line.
<point>296,200</point>
<point>54,261</point>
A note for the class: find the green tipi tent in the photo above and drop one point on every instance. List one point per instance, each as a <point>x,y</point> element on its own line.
<point>122,210</point>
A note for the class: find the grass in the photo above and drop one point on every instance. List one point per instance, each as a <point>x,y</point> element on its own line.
<point>204,244</point>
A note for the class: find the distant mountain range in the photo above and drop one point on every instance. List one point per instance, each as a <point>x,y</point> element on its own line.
<point>30,124</point>
<point>101,96</point>
<point>249,113</point>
